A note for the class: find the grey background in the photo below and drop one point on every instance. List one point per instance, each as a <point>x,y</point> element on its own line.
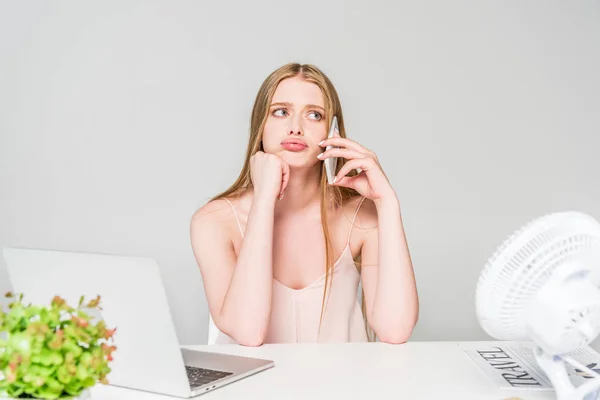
<point>119,119</point>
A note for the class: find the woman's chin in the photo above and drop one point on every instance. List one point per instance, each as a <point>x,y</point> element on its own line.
<point>296,160</point>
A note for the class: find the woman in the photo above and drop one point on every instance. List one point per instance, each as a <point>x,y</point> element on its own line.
<point>281,252</point>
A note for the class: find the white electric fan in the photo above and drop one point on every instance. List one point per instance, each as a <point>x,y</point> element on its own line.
<point>542,285</point>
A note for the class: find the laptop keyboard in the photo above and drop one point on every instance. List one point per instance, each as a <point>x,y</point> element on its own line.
<point>202,376</point>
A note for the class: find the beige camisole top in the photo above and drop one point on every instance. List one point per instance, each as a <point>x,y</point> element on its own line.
<point>295,313</point>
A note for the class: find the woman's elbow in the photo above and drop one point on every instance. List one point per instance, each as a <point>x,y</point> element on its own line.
<point>397,333</point>
<point>251,341</point>
<point>248,337</point>
<point>251,338</point>
<point>394,337</point>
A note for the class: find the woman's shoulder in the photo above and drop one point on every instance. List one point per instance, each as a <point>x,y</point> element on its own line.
<point>215,215</point>
<point>213,211</point>
<point>221,213</point>
<point>219,206</point>
<point>362,209</point>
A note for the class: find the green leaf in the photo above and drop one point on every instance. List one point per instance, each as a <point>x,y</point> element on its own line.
<point>40,370</point>
<point>15,391</point>
<point>82,372</point>
<point>54,385</point>
<point>70,346</point>
<point>86,359</point>
<point>74,388</point>
<point>20,342</point>
<point>88,382</point>
<point>63,375</point>
<point>48,357</point>
<point>49,393</point>
<point>32,311</point>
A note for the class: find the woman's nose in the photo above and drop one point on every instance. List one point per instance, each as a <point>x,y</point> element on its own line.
<point>295,127</point>
<point>295,124</point>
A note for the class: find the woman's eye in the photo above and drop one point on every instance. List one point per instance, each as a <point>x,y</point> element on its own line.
<point>280,112</point>
<point>316,115</point>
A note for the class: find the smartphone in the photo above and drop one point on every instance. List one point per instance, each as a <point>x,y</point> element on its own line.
<point>331,162</point>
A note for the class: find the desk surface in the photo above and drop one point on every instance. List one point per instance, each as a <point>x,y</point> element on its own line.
<point>352,371</point>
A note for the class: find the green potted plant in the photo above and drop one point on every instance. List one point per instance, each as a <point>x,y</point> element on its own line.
<point>52,352</point>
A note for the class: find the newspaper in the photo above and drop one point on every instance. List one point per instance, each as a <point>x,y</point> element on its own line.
<point>512,365</point>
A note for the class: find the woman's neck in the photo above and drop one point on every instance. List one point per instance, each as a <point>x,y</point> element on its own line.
<point>301,192</point>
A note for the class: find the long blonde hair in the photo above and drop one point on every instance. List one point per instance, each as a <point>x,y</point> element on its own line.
<point>327,193</point>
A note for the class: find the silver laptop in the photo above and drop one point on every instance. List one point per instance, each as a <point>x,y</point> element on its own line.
<point>133,299</point>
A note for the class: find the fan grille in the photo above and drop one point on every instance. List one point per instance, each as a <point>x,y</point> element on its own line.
<point>523,263</point>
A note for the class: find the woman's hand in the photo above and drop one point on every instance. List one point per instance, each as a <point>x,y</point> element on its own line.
<point>269,174</point>
<point>371,182</point>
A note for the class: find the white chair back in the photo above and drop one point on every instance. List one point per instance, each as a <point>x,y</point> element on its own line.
<point>213,331</point>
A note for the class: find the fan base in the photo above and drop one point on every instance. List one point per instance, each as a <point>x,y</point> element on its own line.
<point>555,369</point>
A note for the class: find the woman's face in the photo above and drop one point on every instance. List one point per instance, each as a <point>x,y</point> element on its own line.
<point>296,123</point>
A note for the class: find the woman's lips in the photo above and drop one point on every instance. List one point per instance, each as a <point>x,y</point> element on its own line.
<point>293,145</point>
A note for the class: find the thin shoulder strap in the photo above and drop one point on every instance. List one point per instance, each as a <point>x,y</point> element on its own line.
<point>354,218</point>
<point>236,216</point>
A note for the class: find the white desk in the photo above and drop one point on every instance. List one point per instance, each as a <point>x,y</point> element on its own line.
<point>351,371</point>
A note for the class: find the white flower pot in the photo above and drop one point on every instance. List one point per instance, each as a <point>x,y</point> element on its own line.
<point>85,395</point>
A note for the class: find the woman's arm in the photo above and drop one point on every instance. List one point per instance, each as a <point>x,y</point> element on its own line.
<point>238,290</point>
<point>387,273</point>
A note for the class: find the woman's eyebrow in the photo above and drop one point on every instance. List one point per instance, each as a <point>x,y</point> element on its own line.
<point>288,104</point>
<point>281,103</point>
<point>315,106</point>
